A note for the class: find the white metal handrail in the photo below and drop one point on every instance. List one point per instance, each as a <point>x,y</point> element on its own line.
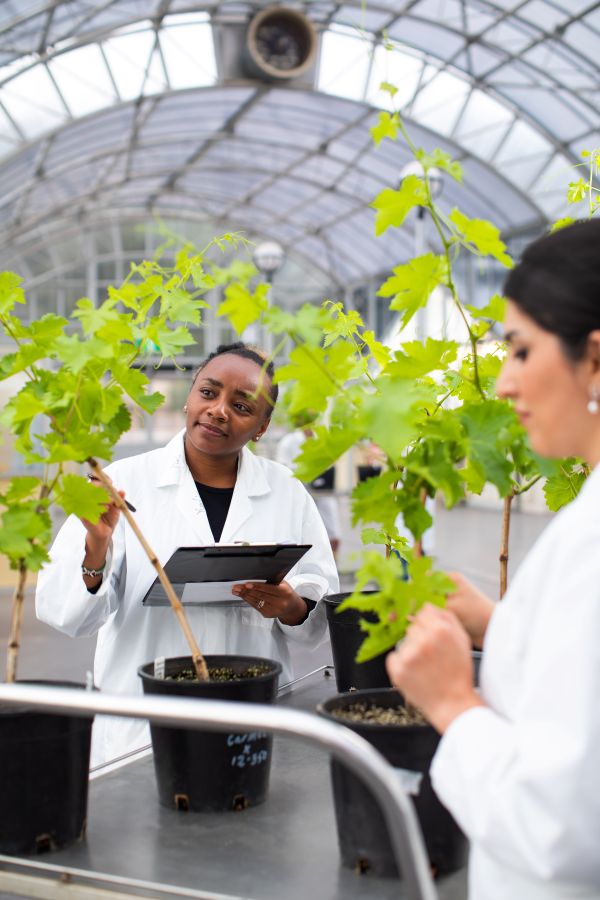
<point>217,715</point>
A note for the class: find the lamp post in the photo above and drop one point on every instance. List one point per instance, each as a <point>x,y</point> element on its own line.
<point>268,258</point>
<point>436,184</point>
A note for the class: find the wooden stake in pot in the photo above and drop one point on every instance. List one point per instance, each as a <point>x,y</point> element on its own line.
<point>197,658</point>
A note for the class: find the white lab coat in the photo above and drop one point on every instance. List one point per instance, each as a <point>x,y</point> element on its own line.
<point>522,777</point>
<point>268,504</point>
<point>288,449</point>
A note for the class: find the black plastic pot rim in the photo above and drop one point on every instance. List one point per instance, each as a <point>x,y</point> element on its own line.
<point>275,669</point>
<point>371,726</point>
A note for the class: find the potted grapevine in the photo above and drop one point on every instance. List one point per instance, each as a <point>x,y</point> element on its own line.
<point>430,407</point>
<point>75,380</point>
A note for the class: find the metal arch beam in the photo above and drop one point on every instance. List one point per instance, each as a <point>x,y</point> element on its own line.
<point>136,214</point>
<point>443,65</point>
<point>310,154</point>
<point>203,148</point>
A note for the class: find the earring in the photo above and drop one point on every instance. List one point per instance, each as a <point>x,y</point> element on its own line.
<point>593,405</point>
<point>258,437</point>
<point>185,408</point>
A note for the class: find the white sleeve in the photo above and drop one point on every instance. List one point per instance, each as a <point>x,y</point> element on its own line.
<point>526,788</point>
<point>62,600</point>
<point>314,576</point>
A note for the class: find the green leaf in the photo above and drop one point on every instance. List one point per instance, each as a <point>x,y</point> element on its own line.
<point>577,191</point>
<point>76,354</point>
<point>22,527</point>
<point>304,326</point>
<point>392,417</point>
<point>317,374</point>
<point>78,496</point>
<point>21,487</point>
<point>134,383</point>
<point>380,353</point>
<point>394,206</point>
<point>563,487</point>
<point>343,324</point>
<point>494,310</point>
<point>93,318</point>
<point>414,359</point>
<point>11,292</point>
<point>178,306</point>
<point>322,450</point>
<point>387,127</point>
<point>242,307</point>
<point>439,159</point>
<point>395,600</point>
<point>562,223</point>
<point>411,284</point>
<point>483,237</point>
<point>389,88</point>
<point>485,425</point>
<point>374,500</point>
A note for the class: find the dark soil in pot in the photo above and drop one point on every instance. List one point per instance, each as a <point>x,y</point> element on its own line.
<point>346,637</point>
<point>44,760</point>
<point>362,832</point>
<point>205,770</point>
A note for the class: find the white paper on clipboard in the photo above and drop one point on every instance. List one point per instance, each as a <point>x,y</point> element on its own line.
<point>214,592</point>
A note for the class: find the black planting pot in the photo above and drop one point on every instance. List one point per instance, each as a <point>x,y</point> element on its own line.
<point>205,770</point>
<point>362,832</point>
<point>346,637</point>
<point>45,761</point>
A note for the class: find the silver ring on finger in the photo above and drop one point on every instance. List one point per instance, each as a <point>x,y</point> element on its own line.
<point>260,604</point>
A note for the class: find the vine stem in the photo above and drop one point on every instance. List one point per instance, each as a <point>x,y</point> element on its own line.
<point>504,545</point>
<point>197,658</point>
<point>14,642</point>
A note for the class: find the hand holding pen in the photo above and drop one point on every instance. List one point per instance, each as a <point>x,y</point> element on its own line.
<point>126,502</point>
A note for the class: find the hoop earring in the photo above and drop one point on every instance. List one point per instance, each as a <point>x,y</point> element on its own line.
<point>593,405</point>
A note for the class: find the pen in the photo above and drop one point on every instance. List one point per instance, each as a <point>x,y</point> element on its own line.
<point>127,503</point>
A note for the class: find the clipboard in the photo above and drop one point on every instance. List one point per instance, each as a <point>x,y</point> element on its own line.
<point>205,575</point>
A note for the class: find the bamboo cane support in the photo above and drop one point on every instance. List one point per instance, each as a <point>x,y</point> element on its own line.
<point>14,643</point>
<point>504,546</point>
<point>197,658</point>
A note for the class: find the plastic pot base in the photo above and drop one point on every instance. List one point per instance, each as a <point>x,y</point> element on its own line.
<point>200,770</point>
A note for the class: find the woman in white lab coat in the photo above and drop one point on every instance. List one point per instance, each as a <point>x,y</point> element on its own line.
<point>203,487</point>
<point>518,763</point>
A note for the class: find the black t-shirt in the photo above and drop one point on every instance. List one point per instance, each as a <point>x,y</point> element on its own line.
<point>216,503</point>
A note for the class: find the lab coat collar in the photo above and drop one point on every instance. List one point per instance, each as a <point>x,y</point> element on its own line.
<point>251,478</point>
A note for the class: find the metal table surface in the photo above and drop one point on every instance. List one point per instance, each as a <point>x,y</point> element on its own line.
<point>286,847</point>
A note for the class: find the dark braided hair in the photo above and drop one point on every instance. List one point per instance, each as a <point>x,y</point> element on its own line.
<point>239,348</point>
<point>557,284</point>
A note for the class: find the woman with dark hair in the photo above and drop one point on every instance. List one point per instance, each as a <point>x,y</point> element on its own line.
<point>517,764</point>
<point>204,487</point>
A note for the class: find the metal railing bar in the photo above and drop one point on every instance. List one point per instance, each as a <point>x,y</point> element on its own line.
<point>217,715</point>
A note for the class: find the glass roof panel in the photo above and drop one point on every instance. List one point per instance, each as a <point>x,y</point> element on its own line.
<point>83,79</point>
<point>502,80</point>
<point>396,67</point>
<point>33,103</point>
<point>189,54</point>
<point>425,34</point>
<point>583,40</point>
<point>538,12</point>
<point>348,80</point>
<point>128,57</point>
<point>440,102</point>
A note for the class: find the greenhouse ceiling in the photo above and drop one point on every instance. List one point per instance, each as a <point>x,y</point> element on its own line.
<point>126,109</point>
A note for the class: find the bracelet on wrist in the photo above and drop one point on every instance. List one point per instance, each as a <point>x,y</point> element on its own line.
<point>93,572</point>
